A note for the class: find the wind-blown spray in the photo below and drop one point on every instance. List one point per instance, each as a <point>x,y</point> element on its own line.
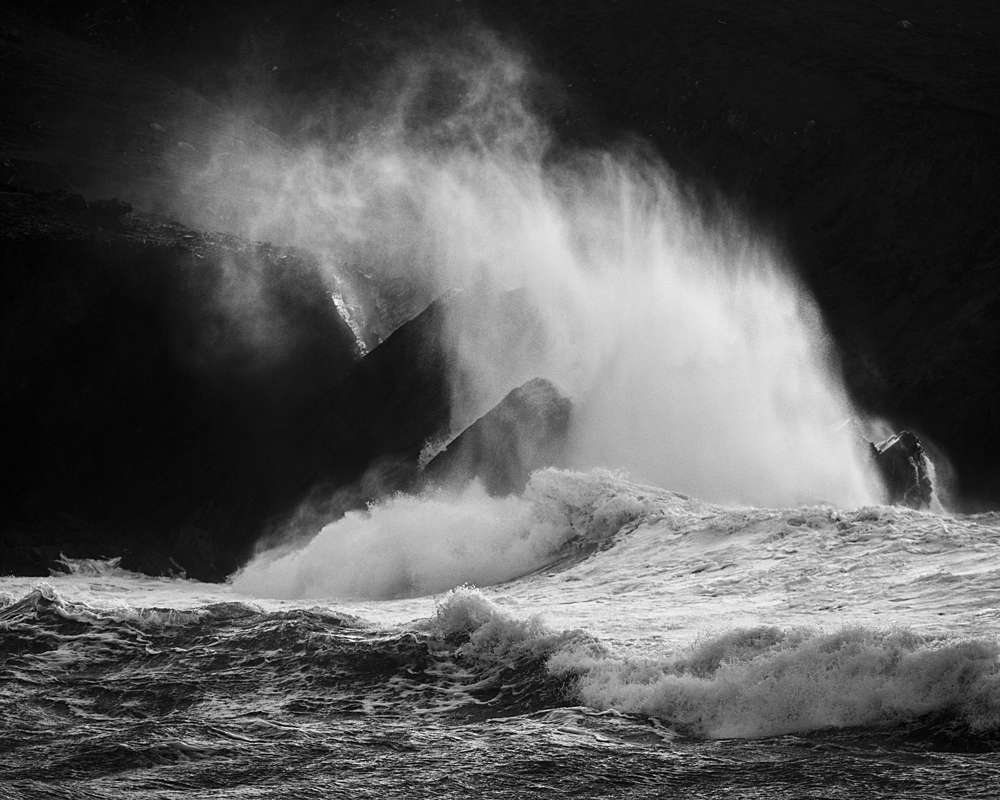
<point>693,360</point>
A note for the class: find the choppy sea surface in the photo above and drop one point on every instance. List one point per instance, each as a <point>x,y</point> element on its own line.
<point>634,643</point>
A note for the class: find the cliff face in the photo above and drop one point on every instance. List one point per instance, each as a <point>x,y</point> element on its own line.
<point>864,137</point>
<point>157,387</point>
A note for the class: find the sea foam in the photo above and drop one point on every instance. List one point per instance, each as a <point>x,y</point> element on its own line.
<point>768,682</point>
<point>412,545</point>
<point>752,682</point>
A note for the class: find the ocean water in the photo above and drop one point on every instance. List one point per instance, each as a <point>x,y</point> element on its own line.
<point>628,642</point>
<point>771,633</point>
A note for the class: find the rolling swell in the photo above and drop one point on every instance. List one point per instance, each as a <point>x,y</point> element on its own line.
<point>757,682</point>
<point>134,663</point>
<point>230,695</point>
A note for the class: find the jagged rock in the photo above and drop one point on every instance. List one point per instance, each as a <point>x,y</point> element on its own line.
<point>388,404</point>
<point>526,431</point>
<point>904,469</point>
<point>159,381</point>
<point>402,393</point>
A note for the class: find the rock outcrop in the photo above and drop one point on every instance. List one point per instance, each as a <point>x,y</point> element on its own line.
<point>903,467</point>
<point>524,432</point>
<point>401,395</point>
<point>170,395</point>
<point>373,424</point>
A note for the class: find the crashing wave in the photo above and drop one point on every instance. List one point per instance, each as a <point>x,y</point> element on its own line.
<point>409,546</point>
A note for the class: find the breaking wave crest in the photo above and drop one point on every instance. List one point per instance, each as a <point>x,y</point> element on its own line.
<point>477,659</point>
<point>758,682</point>
<point>410,546</point>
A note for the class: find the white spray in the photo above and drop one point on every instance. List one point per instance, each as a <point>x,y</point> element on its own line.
<point>694,362</point>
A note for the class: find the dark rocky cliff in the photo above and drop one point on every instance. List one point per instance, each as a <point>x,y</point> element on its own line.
<point>864,136</point>
<point>155,387</point>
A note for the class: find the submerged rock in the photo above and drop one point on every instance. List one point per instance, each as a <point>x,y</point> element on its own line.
<point>524,432</point>
<point>904,469</point>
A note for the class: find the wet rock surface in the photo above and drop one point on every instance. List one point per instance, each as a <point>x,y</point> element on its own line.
<point>376,420</point>
<point>411,390</point>
<point>524,432</point>
<point>903,466</point>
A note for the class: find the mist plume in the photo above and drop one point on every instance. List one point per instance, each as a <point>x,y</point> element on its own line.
<point>693,359</point>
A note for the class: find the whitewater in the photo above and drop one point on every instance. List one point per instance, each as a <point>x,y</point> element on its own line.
<point>656,645</point>
<point>707,600</point>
